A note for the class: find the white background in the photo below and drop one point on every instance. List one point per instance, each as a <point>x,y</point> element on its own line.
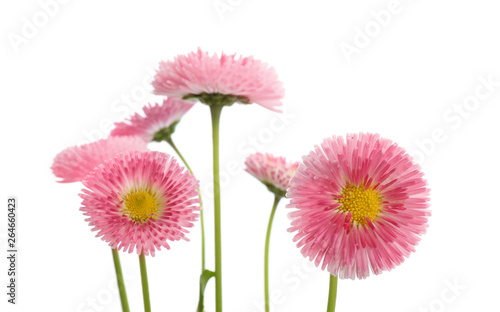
<point>71,76</point>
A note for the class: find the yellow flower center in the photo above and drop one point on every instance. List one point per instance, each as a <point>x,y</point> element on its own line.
<point>141,205</point>
<point>363,203</point>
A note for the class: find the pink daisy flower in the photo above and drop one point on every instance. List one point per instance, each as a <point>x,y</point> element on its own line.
<point>223,80</point>
<point>361,204</point>
<point>274,172</point>
<point>74,163</point>
<point>139,200</point>
<point>158,122</point>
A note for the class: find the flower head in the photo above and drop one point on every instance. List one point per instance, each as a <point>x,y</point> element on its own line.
<point>274,172</point>
<point>139,200</point>
<point>158,122</point>
<point>220,80</point>
<point>360,204</point>
<point>74,163</point>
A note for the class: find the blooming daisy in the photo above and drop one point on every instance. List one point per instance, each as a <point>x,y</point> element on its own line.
<point>274,172</point>
<point>139,200</point>
<point>74,163</point>
<point>223,80</point>
<point>219,81</point>
<point>361,204</point>
<point>158,122</point>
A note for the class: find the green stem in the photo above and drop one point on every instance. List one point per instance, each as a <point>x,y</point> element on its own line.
<point>171,142</point>
<point>266,256</point>
<point>332,295</point>
<point>215,111</point>
<point>145,286</point>
<point>119,279</point>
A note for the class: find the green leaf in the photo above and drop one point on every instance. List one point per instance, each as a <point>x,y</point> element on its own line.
<point>204,278</point>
